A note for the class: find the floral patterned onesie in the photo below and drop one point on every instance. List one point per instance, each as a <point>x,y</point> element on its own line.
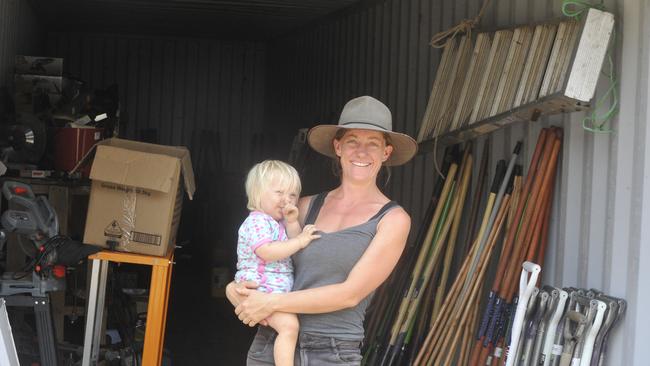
<point>259,229</point>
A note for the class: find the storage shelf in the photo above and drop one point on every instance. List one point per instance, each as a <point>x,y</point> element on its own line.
<point>546,106</point>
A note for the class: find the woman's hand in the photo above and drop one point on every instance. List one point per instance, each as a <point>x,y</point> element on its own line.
<point>255,307</point>
<point>233,294</point>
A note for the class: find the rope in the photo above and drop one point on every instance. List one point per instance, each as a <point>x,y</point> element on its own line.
<point>575,8</point>
<point>465,26</point>
<point>594,122</point>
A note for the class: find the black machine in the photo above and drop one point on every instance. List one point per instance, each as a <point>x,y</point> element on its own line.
<point>26,137</point>
<point>36,223</point>
<point>24,142</point>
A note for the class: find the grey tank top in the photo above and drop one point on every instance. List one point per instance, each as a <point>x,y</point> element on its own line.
<point>329,260</point>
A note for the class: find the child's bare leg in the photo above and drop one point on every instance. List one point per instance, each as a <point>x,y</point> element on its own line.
<point>287,326</point>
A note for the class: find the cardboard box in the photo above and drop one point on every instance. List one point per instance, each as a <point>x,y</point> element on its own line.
<point>136,195</point>
<point>47,89</point>
<point>35,65</point>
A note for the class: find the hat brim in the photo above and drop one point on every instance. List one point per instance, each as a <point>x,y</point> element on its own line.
<point>404,146</point>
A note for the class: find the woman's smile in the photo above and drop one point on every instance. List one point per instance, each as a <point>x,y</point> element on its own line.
<point>360,164</point>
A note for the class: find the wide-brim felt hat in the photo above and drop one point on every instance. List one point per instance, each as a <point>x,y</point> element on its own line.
<point>365,113</point>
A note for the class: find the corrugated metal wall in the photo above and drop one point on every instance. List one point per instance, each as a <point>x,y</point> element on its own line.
<point>19,34</point>
<point>175,86</point>
<point>600,232</point>
<point>207,95</point>
<point>183,87</point>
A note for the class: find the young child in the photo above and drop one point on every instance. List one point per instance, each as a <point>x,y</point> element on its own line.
<point>265,243</point>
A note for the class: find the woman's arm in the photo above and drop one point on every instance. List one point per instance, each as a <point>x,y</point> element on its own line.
<point>371,270</point>
<point>234,296</point>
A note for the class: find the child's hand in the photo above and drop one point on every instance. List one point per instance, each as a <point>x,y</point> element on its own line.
<point>290,213</point>
<point>307,235</point>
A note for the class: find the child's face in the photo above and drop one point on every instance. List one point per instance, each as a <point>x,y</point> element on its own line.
<point>274,197</point>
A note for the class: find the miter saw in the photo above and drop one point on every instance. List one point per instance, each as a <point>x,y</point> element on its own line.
<point>36,223</point>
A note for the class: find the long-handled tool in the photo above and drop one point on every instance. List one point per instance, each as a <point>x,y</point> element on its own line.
<point>484,234</point>
<point>559,339</point>
<point>433,295</point>
<point>461,314</point>
<point>553,298</point>
<point>590,339</point>
<point>534,327</point>
<point>450,250</point>
<point>615,308</point>
<point>574,329</point>
<point>497,204</point>
<point>534,204</point>
<point>436,250</point>
<point>440,344</point>
<point>620,311</point>
<point>382,318</point>
<point>527,282</point>
<point>414,285</point>
<point>478,196</point>
<point>552,326</point>
<point>494,309</point>
<point>528,319</point>
<point>588,304</point>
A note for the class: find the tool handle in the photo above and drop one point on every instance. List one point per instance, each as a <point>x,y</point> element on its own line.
<point>593,331</point>
<point>528,279</point>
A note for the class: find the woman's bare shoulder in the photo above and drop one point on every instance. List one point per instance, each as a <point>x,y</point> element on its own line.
<point>396,217</point>
<point>304,201</point>
<point>303,206</point>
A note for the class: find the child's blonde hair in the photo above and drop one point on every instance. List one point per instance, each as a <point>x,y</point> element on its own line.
<point>262,174</point>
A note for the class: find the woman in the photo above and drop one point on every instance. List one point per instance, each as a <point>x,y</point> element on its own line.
<point>363,235</point>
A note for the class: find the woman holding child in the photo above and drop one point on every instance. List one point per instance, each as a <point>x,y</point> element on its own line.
<point>355,236</point>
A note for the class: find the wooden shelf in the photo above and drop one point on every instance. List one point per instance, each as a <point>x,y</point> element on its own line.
<point>545,106</point>
<point>526,74</point>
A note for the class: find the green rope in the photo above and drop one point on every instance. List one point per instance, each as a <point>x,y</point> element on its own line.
<point>575,8</point>
<point>595,122</point>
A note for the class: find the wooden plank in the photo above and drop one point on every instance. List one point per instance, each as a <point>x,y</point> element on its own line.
<point>505,72</point>
<point>512,69</point>
<point>528,66</point>
<point>440,87</point>
<point>519,65</point>
<point>539,63</point>
<point>474,116</point>
<point>568,51</point>
<point>470,86</point>
<point>554,60</point>
<point>590,55</point>
<point>440,82</point>
<point>490,82</point>
<point>459,73</point>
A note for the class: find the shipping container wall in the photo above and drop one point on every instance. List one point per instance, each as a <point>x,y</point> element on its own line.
<point>207,95</point>
<point>20,34</point>
<point>600,232</point>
